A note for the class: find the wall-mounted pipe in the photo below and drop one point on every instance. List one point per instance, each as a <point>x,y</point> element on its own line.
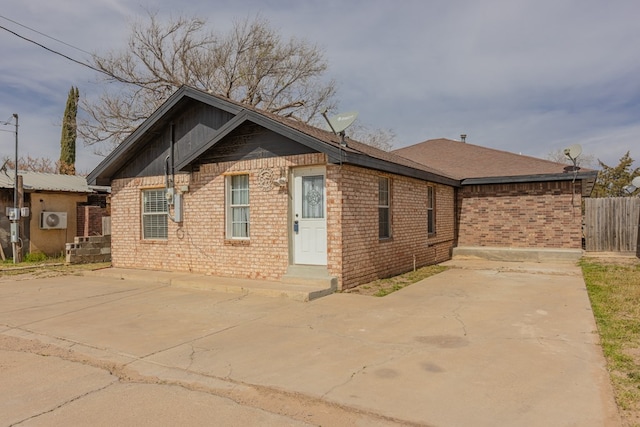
<point>173,199</point>
<point>171,148</point>
<point>169,160</point>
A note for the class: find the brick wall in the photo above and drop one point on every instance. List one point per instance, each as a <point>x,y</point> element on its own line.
<point>199,244</point>
<point>354,252</point>
<point>365,257</point>
<point>523,215</point>
<point>89,219</point>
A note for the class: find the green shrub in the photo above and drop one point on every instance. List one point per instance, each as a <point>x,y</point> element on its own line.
<point>35,257</point>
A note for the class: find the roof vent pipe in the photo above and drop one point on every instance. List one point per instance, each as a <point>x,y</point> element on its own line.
<point>463,137</point>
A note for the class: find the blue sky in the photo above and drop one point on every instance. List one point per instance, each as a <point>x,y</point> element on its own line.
<point>528,77</point>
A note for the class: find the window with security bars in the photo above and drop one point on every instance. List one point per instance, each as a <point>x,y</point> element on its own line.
<point>154,215</point>
<point>431,215</point>
<point>384,214</point>
<point>238,223</point>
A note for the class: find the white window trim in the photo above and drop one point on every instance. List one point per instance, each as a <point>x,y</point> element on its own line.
<point>387,207</point>
<point>154,214</point>
<point>229,209</point>
<point>431,208</point>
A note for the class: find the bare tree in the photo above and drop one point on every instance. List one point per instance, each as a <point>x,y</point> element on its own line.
<point>31,164</point>
<point>251,64</point>
<point>584,160</point>
<point>384,139</point>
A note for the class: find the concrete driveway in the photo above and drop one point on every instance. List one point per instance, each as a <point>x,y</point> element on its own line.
<point>482,344</point>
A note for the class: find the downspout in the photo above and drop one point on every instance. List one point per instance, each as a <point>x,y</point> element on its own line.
<point>173,199</point>
<point>168,162</point>
<point>171,144</point>
<point>457,214</point>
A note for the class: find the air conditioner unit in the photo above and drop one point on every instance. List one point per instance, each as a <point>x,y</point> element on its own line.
<point>53,220</point>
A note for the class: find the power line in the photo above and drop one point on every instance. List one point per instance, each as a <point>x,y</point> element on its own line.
<point>84,64</point>
<point>46,35</point>
<point>55,52</point>
<point>7,122</point>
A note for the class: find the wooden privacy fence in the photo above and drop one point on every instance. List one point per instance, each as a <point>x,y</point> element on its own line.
<point>611,224</point>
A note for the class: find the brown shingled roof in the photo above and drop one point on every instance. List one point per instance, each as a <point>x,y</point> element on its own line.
<point>463,161</point>
<point>353,146</point>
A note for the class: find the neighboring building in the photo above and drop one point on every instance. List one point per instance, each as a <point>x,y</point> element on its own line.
<point>510,201</point>
<point>52,201</point>
<point>212,186</point>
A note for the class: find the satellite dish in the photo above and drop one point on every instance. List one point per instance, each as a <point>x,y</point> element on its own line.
<point>636,182</point>
<point>339,123</point>
<point>342,121</point>
<point>573,151</point>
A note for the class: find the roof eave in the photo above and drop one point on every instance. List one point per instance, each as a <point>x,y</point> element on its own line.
<point>337,154</point>
<point>129,143</point>
<point>588,176</point>
<point>32,189</point>
<point>245,115</point>
<point>366,161</point>
<point>225,130</point>
<point>333,152</point>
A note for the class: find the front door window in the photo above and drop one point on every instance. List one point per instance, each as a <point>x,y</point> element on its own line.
<point>313,197</point>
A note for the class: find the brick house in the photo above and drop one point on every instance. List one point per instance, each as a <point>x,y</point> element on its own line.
<point>212,186</point>
<point>508,205</point>
<point>255,195</point>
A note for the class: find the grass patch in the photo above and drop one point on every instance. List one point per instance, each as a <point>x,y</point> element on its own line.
<point>383,287</point>
<point>33,259</point>
<point>614,291</point>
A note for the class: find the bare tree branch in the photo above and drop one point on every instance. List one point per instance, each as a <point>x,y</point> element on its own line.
<point>384,139</point>
<point>250,64</point>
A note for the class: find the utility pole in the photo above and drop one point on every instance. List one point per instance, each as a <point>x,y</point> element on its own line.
<point>15,224</point>
<point>18,198</point>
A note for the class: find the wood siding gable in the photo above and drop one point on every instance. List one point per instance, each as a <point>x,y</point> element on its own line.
<point>192,127</point>
<point>250,141</point>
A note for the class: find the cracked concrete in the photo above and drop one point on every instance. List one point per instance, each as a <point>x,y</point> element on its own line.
<point>480,344</point>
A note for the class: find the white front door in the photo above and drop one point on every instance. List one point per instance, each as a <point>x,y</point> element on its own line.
<point>309,216</point>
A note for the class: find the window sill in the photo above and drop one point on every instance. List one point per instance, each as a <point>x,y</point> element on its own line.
<point>154,241</point>
<point>237,242</point>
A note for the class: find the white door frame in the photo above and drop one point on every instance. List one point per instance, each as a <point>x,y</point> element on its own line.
<point>310,224</point>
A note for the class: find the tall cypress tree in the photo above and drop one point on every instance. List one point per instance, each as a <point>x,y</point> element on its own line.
<point>69,132</point>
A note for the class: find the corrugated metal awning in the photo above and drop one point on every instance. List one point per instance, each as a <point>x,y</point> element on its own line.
<point>38,181</point>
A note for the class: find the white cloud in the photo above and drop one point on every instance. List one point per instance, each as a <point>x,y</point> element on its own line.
<point>525,76</point>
